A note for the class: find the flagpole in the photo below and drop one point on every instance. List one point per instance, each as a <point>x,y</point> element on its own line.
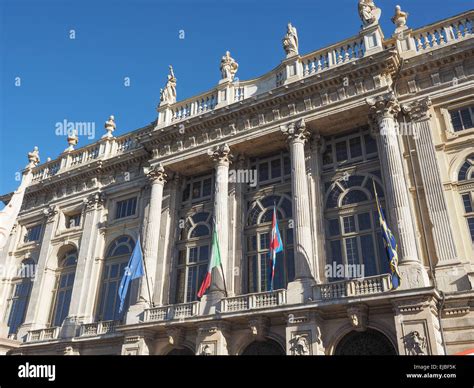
<point>150,301</point>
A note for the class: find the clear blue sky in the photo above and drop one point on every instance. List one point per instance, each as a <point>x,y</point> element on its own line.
<point>82,79</point>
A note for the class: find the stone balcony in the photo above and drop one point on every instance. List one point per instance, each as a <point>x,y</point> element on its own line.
<point>171,312</point>
<point>97,328</point>
<point>352,287</point>
<point>40,335</point>
<point>254,301</point>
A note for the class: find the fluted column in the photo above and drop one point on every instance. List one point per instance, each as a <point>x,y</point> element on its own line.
<point>383,112</point>
<point>151,237</point>
<point>221,157</point>
<point>297,136</point>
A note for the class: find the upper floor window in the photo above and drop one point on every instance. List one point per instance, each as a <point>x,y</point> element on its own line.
<point>354,242</point>
<point>33,233</point>
<point>64,285</point>
<point>466,173</point>
<point>117,257</point>
<point>73,220</point>
<point>126,208</point>
<point>462,118</point>
<point>197,189</point>
<point>258,234</point>
<point>18,302</point>
<point>193,256</point>
<point>346,149</point>
<point>272,169</point>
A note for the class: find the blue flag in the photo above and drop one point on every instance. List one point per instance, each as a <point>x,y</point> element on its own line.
<point>390,245</point>
<point>133,270</point>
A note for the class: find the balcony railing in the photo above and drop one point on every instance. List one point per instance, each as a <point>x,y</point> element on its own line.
<point>48,334</point>
<point>170,312</point>
<point>352,287</point>
<point>253,301</point>
<point>97,328</point>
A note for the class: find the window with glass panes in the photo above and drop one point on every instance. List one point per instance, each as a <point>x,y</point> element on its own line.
<point>352,226</point>
<point>18,302</point>
<point>272,170</point>
<point>126,208</point>
<point>63,291</point>
<point>466,175</point>
<point>462,118</point>
<point>193,256</point>
<point>258,234</point>
<point>33,233</point>
<point>197,189</point>
<point>116,259</point>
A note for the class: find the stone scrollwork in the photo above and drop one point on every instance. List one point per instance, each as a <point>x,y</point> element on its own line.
<point>358,316</point>
<point>300,344</point>
<point>296,131</point>
<point>221,154</point>
<point>415,344</point>
<point>157,174</point>
<point>418,110</point>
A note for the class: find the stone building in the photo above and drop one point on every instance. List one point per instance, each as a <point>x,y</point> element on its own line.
<point>312,138</point>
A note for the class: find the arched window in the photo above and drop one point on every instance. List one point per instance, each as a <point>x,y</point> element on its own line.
<point>258,233</point>
<point>116,259</point>
<point>263,348</point>
<point>64,284</point>
<point>193,256</point>
<point>354,243</point>
<point>465,177</point>
<point>367,343</point>
<point>18,302</point>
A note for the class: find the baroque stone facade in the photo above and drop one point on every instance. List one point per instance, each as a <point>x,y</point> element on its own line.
<point>312,139</point>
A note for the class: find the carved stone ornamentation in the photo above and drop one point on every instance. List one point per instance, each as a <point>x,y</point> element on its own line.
<point>208,349</point>
<point>415,344</point>
<point>94,200</point>
<point>296,131</point>
<point>290,41</point>
<point>259,327</point>
<point>50,213</point>
<point>33,158</point>
<point>157,174</point>
<point>369,13</point>
<point>176,336</point>
<point>221,154</point>
<point>383,106</point>
<point>109,127</point>
<point>228,67</point>
<point>400,19</point>
<point>168,94</point>
<point>72,140</point>
<point>300,344</point>
<point>418,110</point>
<point>358,316</point>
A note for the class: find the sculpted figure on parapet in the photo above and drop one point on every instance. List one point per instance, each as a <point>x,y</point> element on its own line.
<point>229,66</point>
<point>168,94</point>
<point>290,41</point>
<point>368,12</point>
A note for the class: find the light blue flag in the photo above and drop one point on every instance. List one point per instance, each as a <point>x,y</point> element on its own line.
<point>133,270</point>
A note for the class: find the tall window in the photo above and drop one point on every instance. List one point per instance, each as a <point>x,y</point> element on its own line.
<point>197,189</point>
<point>20,296</point>
<point>465,178</point>
<point>272,170</point>
<point>126,208</point>
<point>352,227</point>
<point>116,259</point>
<point>258,232</point>
<point>33,233</point>
<point>193,256</point>
<point>462,118</point>
<point>64,284</point>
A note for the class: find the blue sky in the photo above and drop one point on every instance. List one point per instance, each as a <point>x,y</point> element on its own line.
<point>82,79</point>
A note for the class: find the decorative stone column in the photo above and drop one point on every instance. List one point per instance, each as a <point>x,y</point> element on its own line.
<point>383,112</point>
<point>419,114</point>
<point>151,237</point>
<point>39,305</point>
<point>301,288</point>
<point>82,299</point>
<point>221,157</point>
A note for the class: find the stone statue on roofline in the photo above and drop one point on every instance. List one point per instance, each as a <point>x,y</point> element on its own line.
<point>369,13</point>
<point>400,19</point>
<point>168,94</point>
<point>290,41</point>
<point>228,67</point>
<point>33,158</point>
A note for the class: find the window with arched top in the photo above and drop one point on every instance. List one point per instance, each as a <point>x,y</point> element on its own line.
<point>465,178</point>
<point>258,233</point>
<point>116,259</point>
<point>64,284</point>
<point>20,296</point>
<point>354,243</point>
<point>193,256</point>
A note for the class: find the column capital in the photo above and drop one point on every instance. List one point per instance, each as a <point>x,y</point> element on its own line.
<point>383,106</point>
<point>317,142</point>
<point>418,110</point>
<point>50,213</point>
<point>157,174</point>
<point>94,201</point>
<point>296,132</point>
<point>221,154</point>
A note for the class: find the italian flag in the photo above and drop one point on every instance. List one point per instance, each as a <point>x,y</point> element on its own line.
<point>214,262</point>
